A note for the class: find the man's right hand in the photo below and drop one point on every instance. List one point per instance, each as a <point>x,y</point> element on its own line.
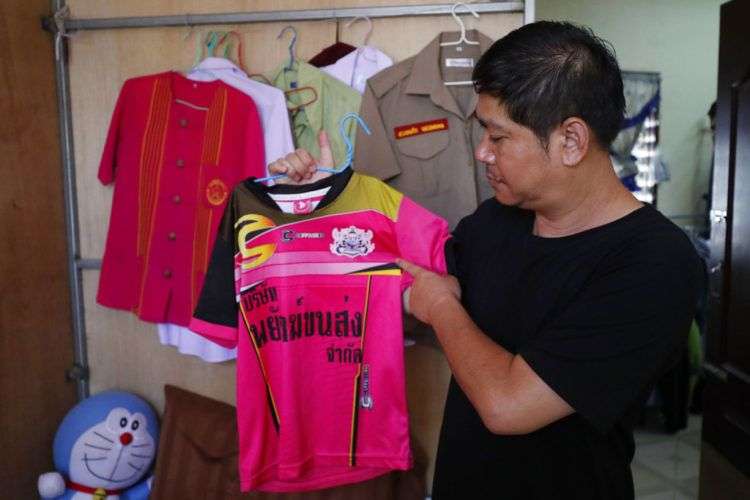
<point>300,167</point>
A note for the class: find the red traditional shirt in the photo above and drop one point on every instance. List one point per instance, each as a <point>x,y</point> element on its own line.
<point>175,149</point>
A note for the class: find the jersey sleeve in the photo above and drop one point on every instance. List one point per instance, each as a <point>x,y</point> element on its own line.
<point>421,237</point>
<point>373,154</point>
<point>453,247</point>
<point>107,164</point>
<point>215,316</point>
<point>605,352</point>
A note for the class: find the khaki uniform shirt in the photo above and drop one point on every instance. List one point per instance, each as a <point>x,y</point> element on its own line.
<point>423,132</point>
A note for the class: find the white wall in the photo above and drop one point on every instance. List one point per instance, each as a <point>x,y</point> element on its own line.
<point>680,40</point>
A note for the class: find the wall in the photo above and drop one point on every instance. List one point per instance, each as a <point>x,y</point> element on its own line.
<point>123,351</point>
<point>680,40</point>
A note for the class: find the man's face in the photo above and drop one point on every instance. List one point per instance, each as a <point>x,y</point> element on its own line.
<point>519,169</point>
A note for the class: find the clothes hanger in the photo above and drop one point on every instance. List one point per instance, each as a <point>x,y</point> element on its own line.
<point>369,27</point>
<point>228,48</point>
<point>210,42</point>
<point>349,148</point>
<point>292,44</point>
<point>360,50</point>
<point>292,60</point>
<point>300,89</point>
<point>190,27</point>
<point>463,39</point>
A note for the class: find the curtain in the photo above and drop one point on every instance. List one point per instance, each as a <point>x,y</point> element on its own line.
<point>641,100</point>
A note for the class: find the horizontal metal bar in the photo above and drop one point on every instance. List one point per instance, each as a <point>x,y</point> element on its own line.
<point>716,371</point>
<point>72,24</point>
<point>89,263</point>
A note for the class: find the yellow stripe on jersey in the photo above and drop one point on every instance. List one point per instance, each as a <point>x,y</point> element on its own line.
<point>382,272</point>
<point>355,406</point>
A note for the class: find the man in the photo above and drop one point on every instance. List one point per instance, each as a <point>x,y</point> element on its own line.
<point>570,297</point>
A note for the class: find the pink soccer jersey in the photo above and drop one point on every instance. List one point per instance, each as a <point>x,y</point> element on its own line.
<point>313,303</point>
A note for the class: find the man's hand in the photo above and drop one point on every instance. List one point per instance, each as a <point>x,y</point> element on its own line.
<point>300,167</point>
<point>429,291</point>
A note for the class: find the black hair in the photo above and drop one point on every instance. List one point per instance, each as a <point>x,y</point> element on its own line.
<point>546,72</point>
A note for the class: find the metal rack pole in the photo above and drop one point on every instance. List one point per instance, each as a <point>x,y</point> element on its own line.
<point>79,371</point>
<point>72,24</point>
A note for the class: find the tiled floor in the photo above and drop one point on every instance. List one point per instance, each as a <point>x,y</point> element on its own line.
<point>666,466</point>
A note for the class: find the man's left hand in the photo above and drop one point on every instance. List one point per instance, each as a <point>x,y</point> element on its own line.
<point>429,291</point>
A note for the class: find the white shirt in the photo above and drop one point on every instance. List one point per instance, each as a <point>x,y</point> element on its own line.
<point>356,67</point>
<point>270,102</point>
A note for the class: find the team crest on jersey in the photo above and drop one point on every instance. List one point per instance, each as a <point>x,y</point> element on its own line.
<point>352,242</point>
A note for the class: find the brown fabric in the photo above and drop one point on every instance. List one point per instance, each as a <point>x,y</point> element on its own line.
<point>331,54</point>
<point>434,166</point>
<point>197,459</point>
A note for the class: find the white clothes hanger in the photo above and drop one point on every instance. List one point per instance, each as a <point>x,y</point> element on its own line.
<point>460,23</point>
<point>369,27</point>
<point>462,40</point>
<point>361,51</point>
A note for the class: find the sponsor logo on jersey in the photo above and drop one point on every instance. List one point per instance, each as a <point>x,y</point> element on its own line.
<point>290,235</point>
<point>352,242</point>
<point>366,400</point>
<point>247,227</point>
<point>404,131</point>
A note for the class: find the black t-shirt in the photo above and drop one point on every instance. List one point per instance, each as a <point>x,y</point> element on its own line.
<point>598,315</point>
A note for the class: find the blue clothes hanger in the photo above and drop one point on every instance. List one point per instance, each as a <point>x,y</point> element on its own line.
<point>292,44</point>
<point>349,148</point>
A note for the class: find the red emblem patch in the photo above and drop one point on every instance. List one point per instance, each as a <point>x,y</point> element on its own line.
<point>216,192</point>
<point>420,128</point>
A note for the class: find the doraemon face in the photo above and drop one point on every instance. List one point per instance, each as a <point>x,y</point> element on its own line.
<point>113,454</point>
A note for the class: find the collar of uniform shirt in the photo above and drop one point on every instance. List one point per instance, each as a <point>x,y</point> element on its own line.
<point>426,78</point>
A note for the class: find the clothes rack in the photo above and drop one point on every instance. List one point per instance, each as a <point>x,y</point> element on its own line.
<point>61,24</point>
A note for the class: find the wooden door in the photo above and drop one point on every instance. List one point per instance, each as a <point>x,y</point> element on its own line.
<point>726,421</point>
<point>35,326</point>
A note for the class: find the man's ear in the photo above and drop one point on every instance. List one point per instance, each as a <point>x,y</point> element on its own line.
<point>575,137</point>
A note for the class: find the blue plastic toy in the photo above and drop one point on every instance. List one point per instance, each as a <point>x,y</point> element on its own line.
<point>103,449</point>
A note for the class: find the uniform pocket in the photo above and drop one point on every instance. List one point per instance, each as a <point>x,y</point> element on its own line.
<point>419,157</point>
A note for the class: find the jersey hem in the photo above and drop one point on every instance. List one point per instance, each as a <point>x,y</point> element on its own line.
<point>358,474</point>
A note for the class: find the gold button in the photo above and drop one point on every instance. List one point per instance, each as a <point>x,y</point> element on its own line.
<point>180,162</point>
<point>176,198</point>
<point>167,273</point>
<point>183,122</point>
<point>172,236</point>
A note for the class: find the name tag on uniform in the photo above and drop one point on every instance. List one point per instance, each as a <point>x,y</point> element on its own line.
<point>413,129</point>
<point>459,62</point>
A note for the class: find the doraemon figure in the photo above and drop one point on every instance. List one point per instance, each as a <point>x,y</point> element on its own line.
<point>103,449</point>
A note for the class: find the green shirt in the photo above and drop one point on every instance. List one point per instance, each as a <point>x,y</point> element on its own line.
<point>334,100</point>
